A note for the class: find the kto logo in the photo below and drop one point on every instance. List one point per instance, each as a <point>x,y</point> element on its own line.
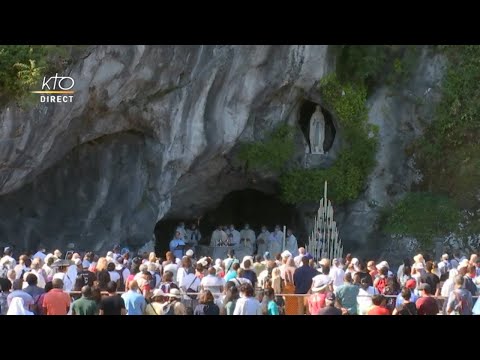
<point>56,88</point>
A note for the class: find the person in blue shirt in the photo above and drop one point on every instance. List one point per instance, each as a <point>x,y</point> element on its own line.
<point>411,284</point>
<point>272,307</point>
<point>177,245</point>
<point>302,278</point>
<point>134,301</point>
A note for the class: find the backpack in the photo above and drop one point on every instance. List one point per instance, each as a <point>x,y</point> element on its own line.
<point>37,307</point>
<point>470,285</point>
<point>165,287</point>
<point>461,305</point>
<point>22,273</point>
<point>3,271</point>
<point>381,285</point>
<point>121,281</point>
<point>169,309</point>
<point>190,290</point>
<point>153,282</point>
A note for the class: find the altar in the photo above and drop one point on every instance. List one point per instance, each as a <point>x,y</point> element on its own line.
<point>220,252</point>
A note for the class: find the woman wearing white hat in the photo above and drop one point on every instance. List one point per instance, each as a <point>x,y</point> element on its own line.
<point>174,306</point>
<point>155,307</point>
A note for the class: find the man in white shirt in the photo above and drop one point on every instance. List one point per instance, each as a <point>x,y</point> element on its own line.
<point>7,258</point>
<point>298,259</point>
<point>190,283</point>
<point>213,283</point>
<point>444,265</point>
<point>285,256</point>
<point>62,268</point>
<point>36,269</point>
<point>291,243</point>
<point>40,253</point>
<point>247,304</point>
<point>72,269</point>
<point>336,274</point>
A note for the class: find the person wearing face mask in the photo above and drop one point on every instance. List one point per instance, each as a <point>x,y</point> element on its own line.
<point>291,243</point>
<point>262,241</point>
<point>219,237</point>
<point>248,233</point>
<point>193,236</point>
<point>181,229</point>
<point>235,240</point>
<point>275,242</point>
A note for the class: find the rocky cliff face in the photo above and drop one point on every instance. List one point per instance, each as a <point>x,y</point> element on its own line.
<point>150,131</point>
<point>146,123</point>
<point>401,116</point>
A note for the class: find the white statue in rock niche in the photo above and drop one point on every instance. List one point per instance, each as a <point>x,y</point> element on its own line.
<point>317,131</point>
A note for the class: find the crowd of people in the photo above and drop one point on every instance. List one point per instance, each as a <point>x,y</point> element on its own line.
<point>285,284</point>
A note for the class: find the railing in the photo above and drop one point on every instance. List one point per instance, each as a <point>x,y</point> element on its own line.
<point>301,309</point>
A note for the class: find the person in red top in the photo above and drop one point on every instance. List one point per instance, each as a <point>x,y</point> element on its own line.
<point>56,301</point>
<point>426,304</point>
<point>378,308</point>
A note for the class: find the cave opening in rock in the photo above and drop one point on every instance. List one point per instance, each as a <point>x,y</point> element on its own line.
<point>306,111</point>
<point>238,207</point>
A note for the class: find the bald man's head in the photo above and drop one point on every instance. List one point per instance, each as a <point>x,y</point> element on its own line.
<point>57,283</point>
<point>86,291</point>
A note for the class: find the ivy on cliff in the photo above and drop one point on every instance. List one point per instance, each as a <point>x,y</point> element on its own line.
<point>374,65</point>
<point>424,216</point>
<point>348,174</point>
<point>359,69</point>
<point>272,153</point>
<point>449,153</point>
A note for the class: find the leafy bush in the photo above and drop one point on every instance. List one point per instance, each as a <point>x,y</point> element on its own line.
<point>23,66</point>
<point>424,216</point>
<point>270,154</point>
<point>15,59</point>
<point>372,65</point>
<point>448,154</point>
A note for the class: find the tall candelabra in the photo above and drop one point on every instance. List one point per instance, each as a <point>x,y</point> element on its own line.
<point>324,241</point>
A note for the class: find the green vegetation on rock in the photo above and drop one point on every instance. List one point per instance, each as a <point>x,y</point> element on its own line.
<point>23,66</point>
<point>448,156</point>
<point>356,160</point>
<point>271,154</point>
<point>20,67</point>
<point>449,153</point>
<point>359,69</point>
<point>374,65</point>
<point>423,216</point>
